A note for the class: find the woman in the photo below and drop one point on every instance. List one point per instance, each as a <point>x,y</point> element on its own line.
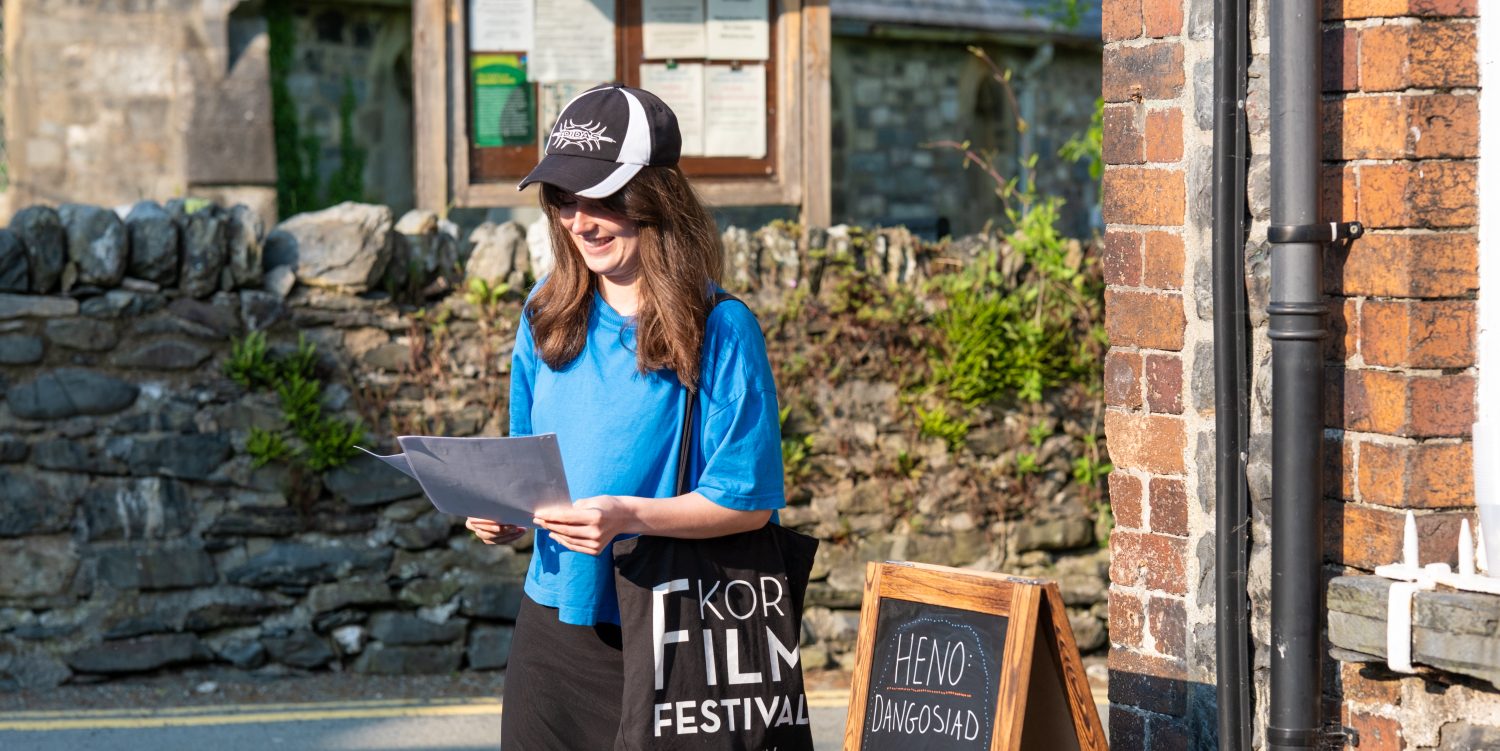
<point>609,344</point>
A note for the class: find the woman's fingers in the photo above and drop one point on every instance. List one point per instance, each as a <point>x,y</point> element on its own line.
<point>491,532</point>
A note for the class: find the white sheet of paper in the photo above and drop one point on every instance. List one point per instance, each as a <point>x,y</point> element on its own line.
<point>734,111</point>
<point>504,479</point>
<point>573,40</point>
<point>500,25</point>
<point>682,89</point>
<point>672,29</point>
<point>738,30</point>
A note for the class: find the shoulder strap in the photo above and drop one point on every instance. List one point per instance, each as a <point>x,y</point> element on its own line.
<point>684,449</point>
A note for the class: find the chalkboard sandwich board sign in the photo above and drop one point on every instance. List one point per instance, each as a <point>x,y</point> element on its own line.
<point>955,659</point>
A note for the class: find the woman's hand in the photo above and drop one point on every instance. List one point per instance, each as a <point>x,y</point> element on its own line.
<point>493,532</point>
<point>589,525</point>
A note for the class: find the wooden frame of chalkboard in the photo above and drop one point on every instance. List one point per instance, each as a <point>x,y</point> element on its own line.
<point>952,658</point>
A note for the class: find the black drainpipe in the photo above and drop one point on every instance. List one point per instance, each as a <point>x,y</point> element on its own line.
<point>1297,333</point>
<point>1231,389</point>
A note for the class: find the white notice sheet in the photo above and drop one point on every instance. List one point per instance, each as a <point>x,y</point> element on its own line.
<point>739,30</point>
<point>734,111</point>
<point>681,87</point>
<point>504,479</point>
<point>672,29</point>
<point>556,95</point>
<point>500,25</point>
<point>574,40</point>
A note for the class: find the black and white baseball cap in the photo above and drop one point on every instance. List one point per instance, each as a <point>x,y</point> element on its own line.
<point>602,139</point>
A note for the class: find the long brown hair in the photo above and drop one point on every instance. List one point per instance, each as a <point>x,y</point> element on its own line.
<point>680,258</point>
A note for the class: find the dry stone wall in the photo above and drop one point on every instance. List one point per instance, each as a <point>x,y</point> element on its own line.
<point>138,532</point>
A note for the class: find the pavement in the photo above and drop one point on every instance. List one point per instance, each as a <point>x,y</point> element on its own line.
<point>199,710</point>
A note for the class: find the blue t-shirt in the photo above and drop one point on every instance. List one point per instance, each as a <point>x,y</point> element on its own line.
<point>619,432</point>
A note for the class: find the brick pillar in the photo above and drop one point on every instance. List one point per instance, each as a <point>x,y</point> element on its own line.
<point>1400,149</point>
<point>1401,155</point>
<point>1156,154</point>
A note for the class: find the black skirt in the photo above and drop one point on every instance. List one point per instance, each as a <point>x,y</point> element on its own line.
<point>562,684</point>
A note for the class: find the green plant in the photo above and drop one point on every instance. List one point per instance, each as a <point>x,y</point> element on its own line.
<point>249,362</point>
<point>906,465</point>
<point>1038,433</point>
<point>484,296</point>
<point>1022,331</point>
<point>1088,145</point>
<point>296,174</point>
<point>1089,470</point>
<point>266,446</point>
<point>322,442</point>
<point>1026,463</point>
<point>937,423</point>
<point>347,183</point>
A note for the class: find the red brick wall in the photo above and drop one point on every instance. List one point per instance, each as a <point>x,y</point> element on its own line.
<point>1400,149</point>
<point>1145,207</point>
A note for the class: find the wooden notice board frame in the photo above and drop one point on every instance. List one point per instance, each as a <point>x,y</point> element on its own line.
<point>795,172</point>
<point>1041,674</point>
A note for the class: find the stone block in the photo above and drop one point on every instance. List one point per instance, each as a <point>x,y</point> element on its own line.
<point>75,455</point>
<point>162,354</point>
<point>489,647</point>
<point>495,600</point>
<point>121,303</point>
<point>300,649</point>
<point>155,568</point>
<point>36,566</point>
<point>41,232</point>
<point>85,334</point>
<point>303,565</point>
<point>20,349</point>
<point>31,670</point>
<point>15,266</point>
<point>204,252</point>
<point>136,508</point>
<point>380,659</point>
<point>192,456</point>
<point>367,481</point>
<point>345,247</point>
<point>155,244</point>
<point>341,594</point>
<point>66,392</point>
<point>405,629</point>
<point>139,655</point>
<point>29,306</point>
<point>98,243</point>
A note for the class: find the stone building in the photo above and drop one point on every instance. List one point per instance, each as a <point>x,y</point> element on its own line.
<point>115,103</point>
<point>903,79</point>
<point>1401,152</point>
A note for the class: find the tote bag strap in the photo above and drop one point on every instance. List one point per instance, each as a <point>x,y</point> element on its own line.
<point>684,450</point>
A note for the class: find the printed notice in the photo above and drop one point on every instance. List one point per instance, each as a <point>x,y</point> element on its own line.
<point>574,40</point>
<point>739,30</point>
<point>507,480</point>
<point>672,29</point>
<point>556,95</point>
<point>681,87</point>
<point>500,25</point>
<point>734,111</point>
<point>504,114</point>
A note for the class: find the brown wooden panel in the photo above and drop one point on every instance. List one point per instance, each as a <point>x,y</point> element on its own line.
<point>1067,664</point>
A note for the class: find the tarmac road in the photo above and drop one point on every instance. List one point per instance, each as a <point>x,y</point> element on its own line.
<point>217,711</point>
<point>374,725</point>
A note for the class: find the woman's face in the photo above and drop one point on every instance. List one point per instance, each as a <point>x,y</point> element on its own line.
<point>608,242</point>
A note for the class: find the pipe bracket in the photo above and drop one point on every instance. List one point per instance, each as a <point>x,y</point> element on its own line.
<point>1327,232</point>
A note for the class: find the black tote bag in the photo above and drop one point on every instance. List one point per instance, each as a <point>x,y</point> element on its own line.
<point>710,632</point>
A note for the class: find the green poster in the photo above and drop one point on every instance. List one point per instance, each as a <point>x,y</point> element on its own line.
<point>504,113</point>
